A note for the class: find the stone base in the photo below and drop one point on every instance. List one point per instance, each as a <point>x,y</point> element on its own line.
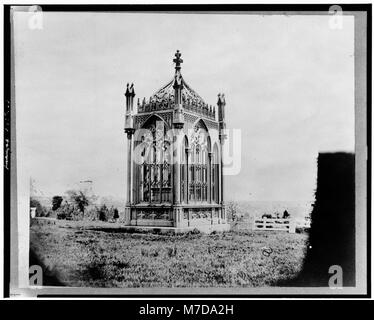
<point>176,219</point>
<point>203,228</point>
<point>125,217</point>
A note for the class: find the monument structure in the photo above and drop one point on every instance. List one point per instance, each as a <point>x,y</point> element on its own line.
<point>174,159</point>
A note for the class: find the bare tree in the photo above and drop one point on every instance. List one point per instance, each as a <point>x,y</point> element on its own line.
<point>232,211</point>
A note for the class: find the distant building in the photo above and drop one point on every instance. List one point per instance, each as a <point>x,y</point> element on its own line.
<point>174,168</point>
<point>33,212</point>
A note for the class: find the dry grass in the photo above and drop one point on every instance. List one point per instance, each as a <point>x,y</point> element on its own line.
<point>82,255</point>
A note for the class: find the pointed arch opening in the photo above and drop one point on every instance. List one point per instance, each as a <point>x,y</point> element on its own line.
<point>199,164</point>
<point>154,165</point>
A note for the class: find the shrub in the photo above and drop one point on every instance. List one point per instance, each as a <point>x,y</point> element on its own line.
<point>115,214</point>
<point>67,211</point>
<point>111,214</point>
<point>103,213</point>
<point>301,230</point>
<point>71,211</point>
<point>195,231</point>
<point>92,213</point>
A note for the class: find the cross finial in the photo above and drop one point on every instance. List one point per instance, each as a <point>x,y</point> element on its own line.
<point>178,60</point>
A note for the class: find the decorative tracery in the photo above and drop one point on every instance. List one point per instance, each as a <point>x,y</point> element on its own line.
<point>199,166</point>
<point>197,170</point>
<point>155,170</point>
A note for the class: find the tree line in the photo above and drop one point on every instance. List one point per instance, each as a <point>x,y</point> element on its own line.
<point>75,205</point>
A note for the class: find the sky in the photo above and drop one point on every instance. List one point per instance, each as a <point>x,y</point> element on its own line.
<point>288,83</point>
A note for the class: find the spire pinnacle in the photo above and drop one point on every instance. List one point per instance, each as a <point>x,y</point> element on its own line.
<point>130,90</point>
<point>177,61</point>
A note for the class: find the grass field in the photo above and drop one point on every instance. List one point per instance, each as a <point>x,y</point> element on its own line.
<point>103,255</point>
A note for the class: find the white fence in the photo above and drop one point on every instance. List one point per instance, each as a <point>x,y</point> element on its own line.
<point>288,225</point>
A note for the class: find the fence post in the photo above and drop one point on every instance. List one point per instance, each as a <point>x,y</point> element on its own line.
<point>292,228</point>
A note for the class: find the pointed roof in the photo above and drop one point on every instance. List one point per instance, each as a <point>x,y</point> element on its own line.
<point>167,91</point>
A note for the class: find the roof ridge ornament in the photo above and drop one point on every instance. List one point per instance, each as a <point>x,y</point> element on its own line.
<point>177,61</point>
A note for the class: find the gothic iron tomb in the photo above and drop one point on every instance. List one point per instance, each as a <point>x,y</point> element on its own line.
<point>174,159</point>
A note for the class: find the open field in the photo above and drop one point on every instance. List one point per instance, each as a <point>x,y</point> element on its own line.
<point>297,209</point>
<point>103,255</point>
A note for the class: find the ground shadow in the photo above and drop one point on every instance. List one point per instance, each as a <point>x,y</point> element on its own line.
<point>50,277</point>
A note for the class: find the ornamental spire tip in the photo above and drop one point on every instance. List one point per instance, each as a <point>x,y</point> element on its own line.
<point>177,61</point>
